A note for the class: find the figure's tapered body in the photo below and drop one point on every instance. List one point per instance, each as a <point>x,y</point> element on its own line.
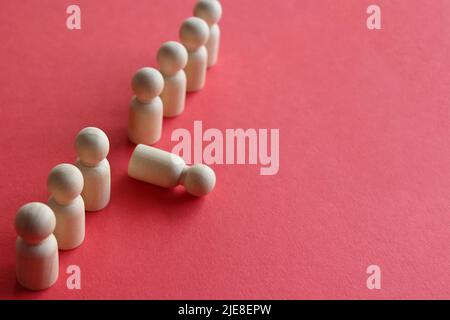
<point>70,223</point>
<point>213,45</point>
<point>196,69</point>
<point>97,184</point>
<point>37,265</point>
<point>145,121</point>
<point>174,94</point>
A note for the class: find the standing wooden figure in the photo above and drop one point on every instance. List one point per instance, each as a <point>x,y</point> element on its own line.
<point>172,59</point>
<point>37,265</point>
<point>146,112</point>
<point>65,183</point>
<point>211,12</point>
<point>194,34</point>
<point>92,147</point>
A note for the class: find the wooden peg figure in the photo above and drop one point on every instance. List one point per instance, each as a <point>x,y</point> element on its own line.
<point>168,170</point>
<point>194,34</point>
<point>211,12</point>
<point>65,183</point>
<point>92,147</point>
<point>146,111</point>
<point>172,59</point>
<point>37,264</point>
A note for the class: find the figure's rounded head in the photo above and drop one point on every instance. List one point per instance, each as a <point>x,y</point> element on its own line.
<point>208,10</point>
<point>172,57</point>
<point>92,146</point>
<point>34,222</point>
<point>65,183</point>
<point>199,180</point>
<point>194,33</point>
<point>147,84</point>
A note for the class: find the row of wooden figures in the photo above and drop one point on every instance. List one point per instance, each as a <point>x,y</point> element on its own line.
<point>42,229</point>
<point>182,68</point>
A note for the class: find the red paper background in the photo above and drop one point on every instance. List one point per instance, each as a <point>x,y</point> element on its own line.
<point>364,149</point>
